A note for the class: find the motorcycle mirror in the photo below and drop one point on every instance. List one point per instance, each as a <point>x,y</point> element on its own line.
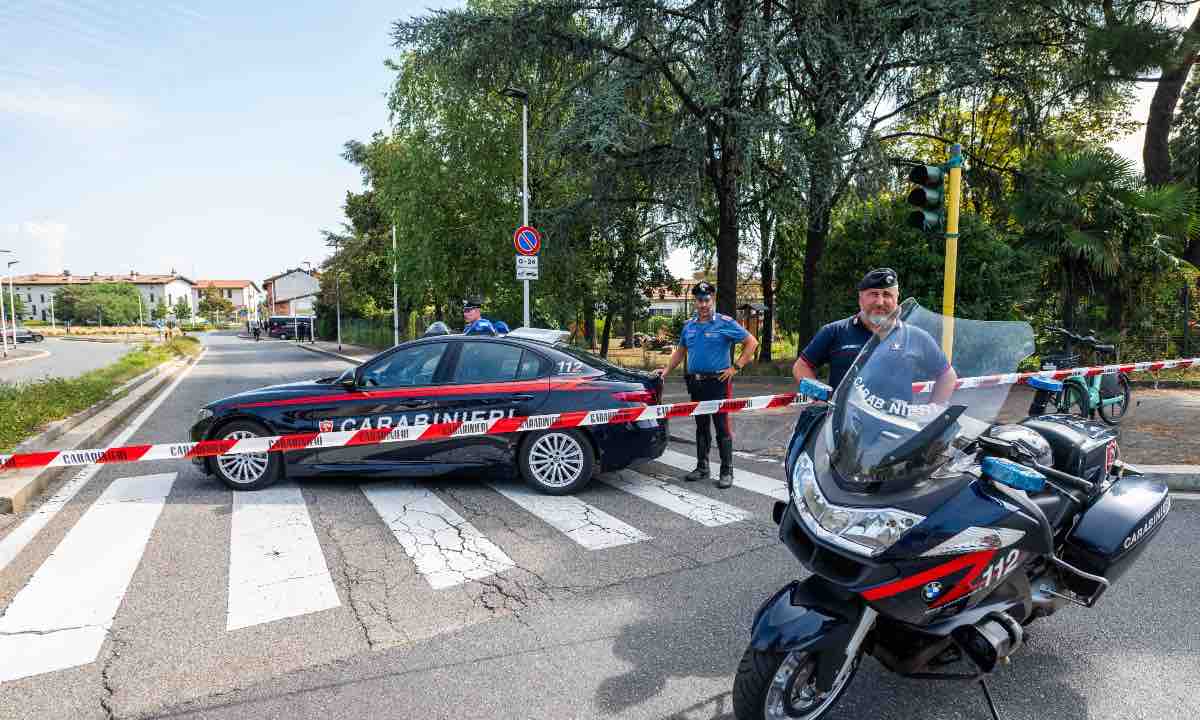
<point>814,389</point>
<point>1014,475</point>
<point>1045,383</point>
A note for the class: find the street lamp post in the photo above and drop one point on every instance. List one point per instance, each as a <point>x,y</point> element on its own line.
<point>3,321</point>
<point>12,300</point>
<point>337,283</point>
<point>523,96</point>
<point>395,291</point>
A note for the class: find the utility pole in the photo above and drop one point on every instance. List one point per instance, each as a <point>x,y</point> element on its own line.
<point>3,322</point>
<point>395,292</point>
<point>523,96</point>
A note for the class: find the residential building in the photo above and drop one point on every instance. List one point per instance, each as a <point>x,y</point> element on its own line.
<point>244,294</point>
<point>36,290</point>
<point>293,292</point>
<point>750,307</point>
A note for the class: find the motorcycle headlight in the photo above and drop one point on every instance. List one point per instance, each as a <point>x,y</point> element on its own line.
<point>865,531</point>
<point>204,414</point>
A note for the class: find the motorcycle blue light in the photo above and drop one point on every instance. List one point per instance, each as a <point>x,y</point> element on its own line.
<point>815,389</point>
<point>1045,383</point>
<point>1014,475</point>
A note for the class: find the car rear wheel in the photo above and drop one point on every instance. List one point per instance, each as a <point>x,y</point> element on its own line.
<point>557,462</point>
<point>246,472</point>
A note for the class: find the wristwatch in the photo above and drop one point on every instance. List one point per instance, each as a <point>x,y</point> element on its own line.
<point>737,367</point>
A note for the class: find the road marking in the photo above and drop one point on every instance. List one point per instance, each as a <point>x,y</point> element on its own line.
<point>589,526</point>
<point>741,478</point>
<point>446,549</point>
<point>276,567</point>
<point>694,506</point>
<point>61,618</point>
<point>1185,495</point>
<point>15,541</point>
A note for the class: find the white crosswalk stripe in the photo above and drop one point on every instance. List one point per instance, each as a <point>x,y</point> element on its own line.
<point>276,568</point>
<point>694,506</point>
<point>741,478</point>
<point>446,549</point>
<point>61,618</point>
<point>589,526</point>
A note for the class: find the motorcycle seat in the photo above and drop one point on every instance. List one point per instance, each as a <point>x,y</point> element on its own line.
<point>1054,506</point>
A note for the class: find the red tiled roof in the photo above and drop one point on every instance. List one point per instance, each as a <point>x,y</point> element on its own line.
<point>40,279</point>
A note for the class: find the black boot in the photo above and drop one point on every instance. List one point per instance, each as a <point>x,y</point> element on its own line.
<point>703,443</point>
<point>700,473</point>
<point>725,446</point>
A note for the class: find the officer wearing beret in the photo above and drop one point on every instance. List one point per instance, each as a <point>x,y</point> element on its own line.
<point>473,317</point>
<point>838,343</point>
<point>706,340</point>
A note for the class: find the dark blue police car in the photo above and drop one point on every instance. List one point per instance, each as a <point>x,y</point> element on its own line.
<point>440,379</point>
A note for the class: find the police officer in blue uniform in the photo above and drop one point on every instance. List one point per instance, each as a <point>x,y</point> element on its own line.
<point>706,341</point>
<point>839,342</point>
<point>473,317</point>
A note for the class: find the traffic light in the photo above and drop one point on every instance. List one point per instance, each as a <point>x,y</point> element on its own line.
<point>927,197</point>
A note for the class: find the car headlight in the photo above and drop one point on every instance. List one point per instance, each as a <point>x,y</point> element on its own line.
<point>204,414</point>
<point>865,531</point>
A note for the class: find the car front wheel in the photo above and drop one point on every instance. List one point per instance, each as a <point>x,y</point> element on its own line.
<point>250,471</point>
<point>557,462</point>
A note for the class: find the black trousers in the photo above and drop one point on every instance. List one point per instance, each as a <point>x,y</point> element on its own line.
<point>710,387</point>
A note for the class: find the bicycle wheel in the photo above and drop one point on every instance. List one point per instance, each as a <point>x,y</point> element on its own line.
<point>1112,414</point>
<point>1073,400</point>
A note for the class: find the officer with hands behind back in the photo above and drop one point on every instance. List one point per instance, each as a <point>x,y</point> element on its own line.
<point>706,341</point>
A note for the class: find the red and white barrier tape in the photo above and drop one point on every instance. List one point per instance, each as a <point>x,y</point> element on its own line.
<point>495,426</point>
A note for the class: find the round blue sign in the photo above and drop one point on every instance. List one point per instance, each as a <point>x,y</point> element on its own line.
<point>527,240</point>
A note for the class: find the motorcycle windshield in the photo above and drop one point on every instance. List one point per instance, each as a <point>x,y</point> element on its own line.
<point>885,436</point>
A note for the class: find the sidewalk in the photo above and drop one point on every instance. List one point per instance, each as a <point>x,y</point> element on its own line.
<point>1155,435</point>
<point>350,353</point>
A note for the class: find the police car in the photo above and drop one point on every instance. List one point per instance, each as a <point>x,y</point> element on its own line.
<point>441,379</point>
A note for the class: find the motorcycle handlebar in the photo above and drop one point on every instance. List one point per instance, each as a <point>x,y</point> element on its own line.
<point>1076,482</point>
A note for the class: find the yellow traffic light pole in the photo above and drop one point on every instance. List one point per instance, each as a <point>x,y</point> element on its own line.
<point>954,192</point>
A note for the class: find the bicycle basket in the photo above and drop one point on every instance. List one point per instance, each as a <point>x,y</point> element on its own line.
<point>1059,361</point>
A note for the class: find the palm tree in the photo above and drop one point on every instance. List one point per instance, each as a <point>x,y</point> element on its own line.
<point>1102,229</point>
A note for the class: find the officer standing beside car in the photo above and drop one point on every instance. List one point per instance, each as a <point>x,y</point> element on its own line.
<point>705,342</point>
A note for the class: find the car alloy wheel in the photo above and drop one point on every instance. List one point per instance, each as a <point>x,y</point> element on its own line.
<point>246,471</point>
<point>557,462</point>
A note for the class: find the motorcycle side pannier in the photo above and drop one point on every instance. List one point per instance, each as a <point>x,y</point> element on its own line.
<point>1116,528</point>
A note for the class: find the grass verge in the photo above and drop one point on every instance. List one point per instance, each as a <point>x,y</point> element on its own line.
<point>27,407</point>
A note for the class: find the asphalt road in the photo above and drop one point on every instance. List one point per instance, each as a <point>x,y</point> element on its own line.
<point>68,358</point>
<point>651,628</point>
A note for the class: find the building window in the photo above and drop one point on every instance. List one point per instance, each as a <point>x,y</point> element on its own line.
<point>43,297</point>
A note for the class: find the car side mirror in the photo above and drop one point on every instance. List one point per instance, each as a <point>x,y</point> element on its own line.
<point>350,379</point>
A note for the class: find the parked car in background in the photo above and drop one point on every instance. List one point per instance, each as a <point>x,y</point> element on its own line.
<point>24,334</point>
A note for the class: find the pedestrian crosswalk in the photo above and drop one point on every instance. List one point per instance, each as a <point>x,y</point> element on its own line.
<point>277,565</point>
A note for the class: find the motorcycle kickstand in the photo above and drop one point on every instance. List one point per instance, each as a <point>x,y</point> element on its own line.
<point>988,696</point>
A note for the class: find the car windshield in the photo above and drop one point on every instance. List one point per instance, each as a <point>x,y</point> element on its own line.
<point>886,435</point>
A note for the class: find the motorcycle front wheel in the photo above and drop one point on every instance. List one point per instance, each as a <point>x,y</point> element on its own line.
<point>772,686</point>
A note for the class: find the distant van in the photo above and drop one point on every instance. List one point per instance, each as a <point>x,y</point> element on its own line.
<point>287,327</point>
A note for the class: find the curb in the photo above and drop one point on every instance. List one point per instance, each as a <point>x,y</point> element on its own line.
<point>37,355</point>
<point>330,353</point>
<point>37,481</point>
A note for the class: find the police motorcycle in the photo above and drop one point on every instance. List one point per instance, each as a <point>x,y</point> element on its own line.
<point>935,535</point>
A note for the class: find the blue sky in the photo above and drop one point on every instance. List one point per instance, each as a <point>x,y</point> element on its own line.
<point>204,137</point>
<point>200,136</point>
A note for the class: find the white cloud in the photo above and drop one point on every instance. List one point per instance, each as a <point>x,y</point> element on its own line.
<point>73,109</point>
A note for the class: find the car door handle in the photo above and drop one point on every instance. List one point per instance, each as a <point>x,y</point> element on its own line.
<point>519,398</point>
<point>415,404</point>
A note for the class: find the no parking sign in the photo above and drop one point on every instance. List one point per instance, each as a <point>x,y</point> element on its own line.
<point>527,240</point>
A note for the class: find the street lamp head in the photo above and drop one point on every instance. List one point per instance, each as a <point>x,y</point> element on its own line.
<point>13,262</point>
<point>515,93</point>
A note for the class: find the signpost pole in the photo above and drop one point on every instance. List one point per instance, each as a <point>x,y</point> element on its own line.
<point>525,184</point>
<point>395,293</point>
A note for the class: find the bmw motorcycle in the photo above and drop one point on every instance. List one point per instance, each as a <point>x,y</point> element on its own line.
<point>934,535</point>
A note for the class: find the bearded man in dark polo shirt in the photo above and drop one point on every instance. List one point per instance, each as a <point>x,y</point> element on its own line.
<point>839,342</point>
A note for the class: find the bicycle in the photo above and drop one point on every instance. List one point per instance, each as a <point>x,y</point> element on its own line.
<point>1107,395</point>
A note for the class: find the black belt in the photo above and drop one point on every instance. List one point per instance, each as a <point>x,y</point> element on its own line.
<point>703,376</point>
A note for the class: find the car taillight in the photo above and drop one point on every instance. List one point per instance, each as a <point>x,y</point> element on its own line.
<point>638,396</point>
